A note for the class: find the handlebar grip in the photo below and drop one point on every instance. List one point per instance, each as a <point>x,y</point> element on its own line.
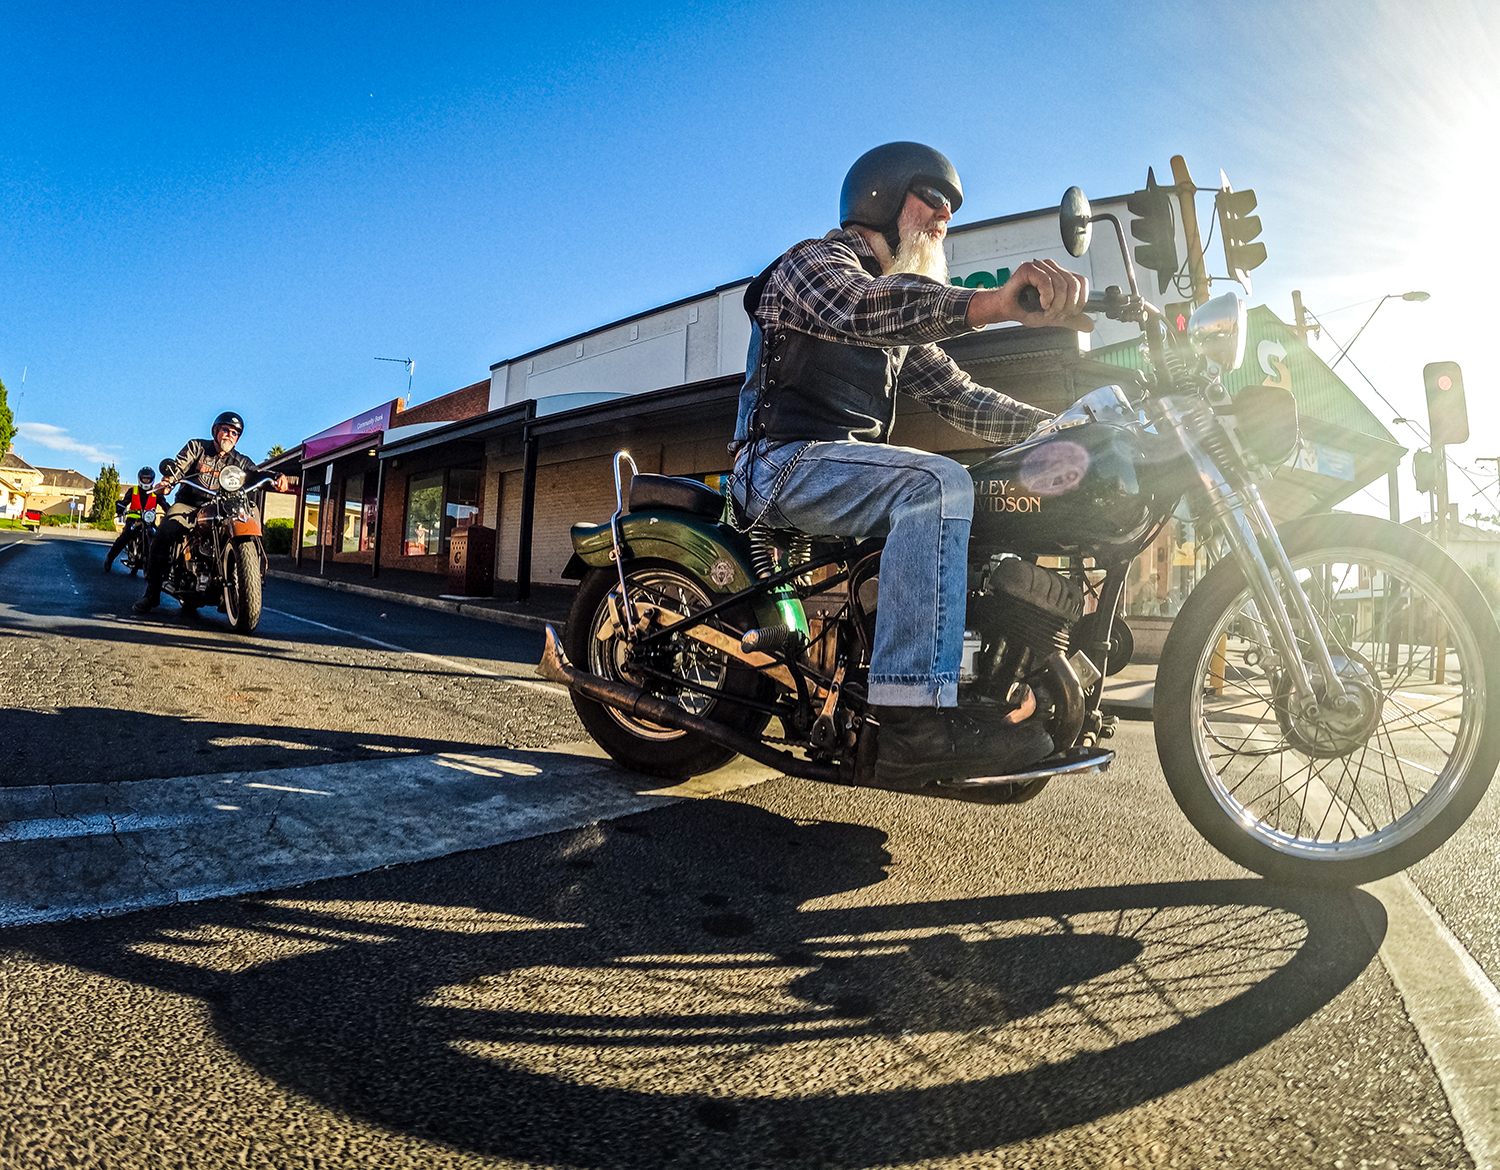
<point>1029,298</point>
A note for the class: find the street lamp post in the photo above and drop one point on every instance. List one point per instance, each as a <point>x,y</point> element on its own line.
<point>1414,295</point>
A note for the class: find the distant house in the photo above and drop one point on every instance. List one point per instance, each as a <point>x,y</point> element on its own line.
<point>59,487</point>
<point>12,498</point>
<point>18,484</point>
<point>1476,549</point>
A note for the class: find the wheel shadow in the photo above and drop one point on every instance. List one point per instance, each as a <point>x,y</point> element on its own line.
<point>703,985</point>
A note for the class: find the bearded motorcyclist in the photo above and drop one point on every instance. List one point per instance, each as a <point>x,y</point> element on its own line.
<point>133,505</point>
<point>198,463</point>
<point>838,326</point>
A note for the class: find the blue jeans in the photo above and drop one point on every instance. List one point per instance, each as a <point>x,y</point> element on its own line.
<point>923,505</point>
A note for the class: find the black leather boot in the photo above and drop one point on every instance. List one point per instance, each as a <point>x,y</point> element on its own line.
<point>149,600</point>
<point>918,745</point>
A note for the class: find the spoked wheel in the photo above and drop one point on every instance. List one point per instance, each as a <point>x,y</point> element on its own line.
<point>242,587</point>
<point>681,669</point>
<point>1372,783</point>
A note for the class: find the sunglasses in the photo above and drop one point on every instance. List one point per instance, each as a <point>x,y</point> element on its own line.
<point>931,196</point>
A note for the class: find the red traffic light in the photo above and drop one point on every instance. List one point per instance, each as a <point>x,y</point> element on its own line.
<point>1447,411</point>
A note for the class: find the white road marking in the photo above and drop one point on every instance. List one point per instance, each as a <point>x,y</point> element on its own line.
<point>91,825</point>
<point>1453,1006</point>
<point>551,688</point>
<point>94,850</point>
<point>13,544</point>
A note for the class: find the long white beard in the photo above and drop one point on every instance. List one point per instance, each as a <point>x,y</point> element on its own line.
<point>921,255</point>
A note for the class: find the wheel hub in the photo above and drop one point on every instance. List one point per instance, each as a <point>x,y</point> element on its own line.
<point>1337,726</point>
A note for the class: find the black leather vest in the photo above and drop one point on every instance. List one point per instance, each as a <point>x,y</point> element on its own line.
<point>807,388</point>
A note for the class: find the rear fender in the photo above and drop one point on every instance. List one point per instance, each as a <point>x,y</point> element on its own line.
<point>712,552</point>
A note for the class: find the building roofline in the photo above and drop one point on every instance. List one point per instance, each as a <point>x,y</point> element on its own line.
<point>978,225</point>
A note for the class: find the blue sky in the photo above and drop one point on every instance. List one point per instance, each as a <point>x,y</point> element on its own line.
<point>233,206</point>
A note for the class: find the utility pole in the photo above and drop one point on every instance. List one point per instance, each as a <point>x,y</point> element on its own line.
<point>1197,271</point>
<point>1299,313</point>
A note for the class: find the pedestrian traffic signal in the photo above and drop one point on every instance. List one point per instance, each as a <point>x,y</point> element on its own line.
<point>1447,412</point>
<point>1178,314</point>
<point>1155,229</point>
<point>1238,229</point>
<point>1424,470</point>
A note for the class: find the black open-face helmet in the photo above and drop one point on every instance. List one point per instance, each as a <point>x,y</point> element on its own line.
<point>228,419</point>
<point>875,187</point>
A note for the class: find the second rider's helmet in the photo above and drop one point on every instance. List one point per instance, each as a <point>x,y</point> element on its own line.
<point>875,187</point>
<point>228,419</point>
<point>145,477</point>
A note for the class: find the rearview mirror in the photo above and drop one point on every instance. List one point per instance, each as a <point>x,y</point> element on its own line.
<point>1075,217</point>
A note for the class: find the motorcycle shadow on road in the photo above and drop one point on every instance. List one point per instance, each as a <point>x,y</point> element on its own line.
<point>715,984</point>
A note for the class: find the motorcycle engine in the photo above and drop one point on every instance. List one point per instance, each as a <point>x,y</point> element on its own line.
<point>1022,613</point>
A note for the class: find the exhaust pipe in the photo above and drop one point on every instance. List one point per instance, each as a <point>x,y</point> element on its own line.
<point>635,702</point>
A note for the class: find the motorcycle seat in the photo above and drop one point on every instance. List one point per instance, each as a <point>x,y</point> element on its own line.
<point>670,491</point>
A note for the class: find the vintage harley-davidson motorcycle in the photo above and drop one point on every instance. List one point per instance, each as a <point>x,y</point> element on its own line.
<point>222,560</point>
<point>1327,703</point>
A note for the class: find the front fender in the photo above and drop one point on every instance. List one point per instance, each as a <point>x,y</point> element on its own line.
<point>712,552</point>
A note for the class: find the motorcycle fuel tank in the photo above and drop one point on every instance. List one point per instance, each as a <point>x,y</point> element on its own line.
<point>1083,485</point>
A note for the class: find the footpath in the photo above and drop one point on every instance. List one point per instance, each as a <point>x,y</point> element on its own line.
<point>547,605</point>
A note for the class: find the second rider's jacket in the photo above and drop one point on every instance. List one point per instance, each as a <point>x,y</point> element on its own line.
<point>138,500</point>
<point>832,341</point>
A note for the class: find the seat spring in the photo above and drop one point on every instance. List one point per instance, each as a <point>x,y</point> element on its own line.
<point>765,552</point>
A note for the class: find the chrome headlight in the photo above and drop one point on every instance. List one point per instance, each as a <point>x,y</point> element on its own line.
<point>1217,331</point>
<point>231,479</point>
<point>149,515</point>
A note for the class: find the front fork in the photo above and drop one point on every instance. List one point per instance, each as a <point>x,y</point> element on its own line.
<point>1242,517</point>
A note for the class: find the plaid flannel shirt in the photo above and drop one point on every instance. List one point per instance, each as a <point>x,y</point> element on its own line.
<point>823,288</point>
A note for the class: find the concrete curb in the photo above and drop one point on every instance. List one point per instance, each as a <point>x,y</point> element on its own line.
<point>502,617</point>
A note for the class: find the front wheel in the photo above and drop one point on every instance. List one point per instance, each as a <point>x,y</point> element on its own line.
<point>242,587</point>
<point>1365,787</point>
<point>697,677</point>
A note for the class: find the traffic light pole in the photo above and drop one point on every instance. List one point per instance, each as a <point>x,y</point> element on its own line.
<point>1197,270</point>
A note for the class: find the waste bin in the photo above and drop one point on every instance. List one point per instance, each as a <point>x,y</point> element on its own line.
<point>471,562</point>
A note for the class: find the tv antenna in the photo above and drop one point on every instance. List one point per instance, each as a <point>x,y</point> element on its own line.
<point>411,365</point>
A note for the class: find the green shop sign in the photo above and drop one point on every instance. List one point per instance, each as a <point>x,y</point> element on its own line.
<point>982,279</point>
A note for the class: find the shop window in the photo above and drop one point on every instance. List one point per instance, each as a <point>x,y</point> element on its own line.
<point>462,503</point>
<point>351,519</point>
<point>424,514</point>
<point>1161,578</point>
<point>312,499</point>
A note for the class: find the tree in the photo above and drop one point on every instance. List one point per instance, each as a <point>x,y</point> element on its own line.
<point>275,451</point>
<point>106,492</point>
<point>7,423</point>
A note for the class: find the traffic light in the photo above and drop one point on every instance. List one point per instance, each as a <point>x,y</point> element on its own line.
<point>1424,470</point>
<point>1178,314</point>
<point>1155,229</point>
<point>1238,228</point>
<point>1447,413</point>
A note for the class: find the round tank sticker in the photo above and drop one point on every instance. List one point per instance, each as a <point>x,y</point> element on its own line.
<point>1054,468</point>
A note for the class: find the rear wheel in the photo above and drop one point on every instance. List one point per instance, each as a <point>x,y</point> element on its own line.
<point>242,587</point>
<point>1365,787</point>
<point>682,670</point>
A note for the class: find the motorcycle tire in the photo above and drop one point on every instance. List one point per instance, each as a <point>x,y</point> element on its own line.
<point>1349,794</point>
<point>635,743</point>
<point>242,587</point>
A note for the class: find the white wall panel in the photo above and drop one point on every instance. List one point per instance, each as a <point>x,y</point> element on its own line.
<point>649,364</point>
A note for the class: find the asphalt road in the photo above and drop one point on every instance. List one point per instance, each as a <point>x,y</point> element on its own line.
<point>784,975</point>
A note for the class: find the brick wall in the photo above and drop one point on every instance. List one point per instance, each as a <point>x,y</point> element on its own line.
<point>460,404</point>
